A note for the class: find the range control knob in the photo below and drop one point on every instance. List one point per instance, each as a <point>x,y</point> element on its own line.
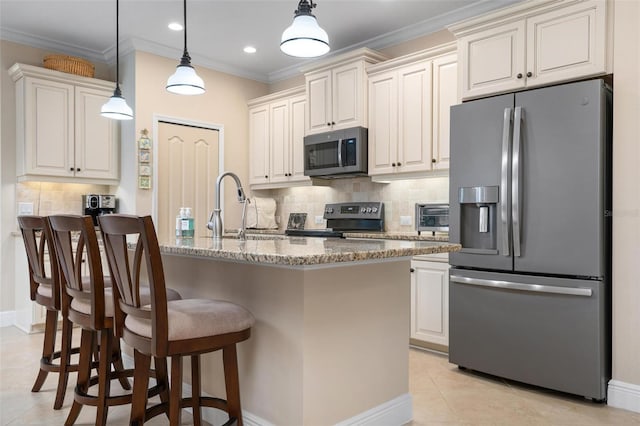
<point>368,209</point>
<point>374,209</point>
<point>329,210</point>
<point>363,209</point>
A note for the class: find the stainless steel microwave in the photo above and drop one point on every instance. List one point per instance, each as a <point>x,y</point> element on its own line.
<point>340,153</point>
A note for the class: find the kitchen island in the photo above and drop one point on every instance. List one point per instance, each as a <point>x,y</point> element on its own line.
<point>330,343</point>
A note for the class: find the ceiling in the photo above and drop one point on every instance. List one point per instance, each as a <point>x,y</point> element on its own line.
<point>218,30</point>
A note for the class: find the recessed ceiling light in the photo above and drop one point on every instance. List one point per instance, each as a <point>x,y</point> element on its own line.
<point>175,26</point>
<point>249,49</point>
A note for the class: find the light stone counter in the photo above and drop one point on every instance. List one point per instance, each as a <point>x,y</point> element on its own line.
<point>330,341</point>
<point>298,251</point>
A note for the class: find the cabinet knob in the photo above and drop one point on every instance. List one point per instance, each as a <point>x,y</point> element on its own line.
<point>519,75</point>
<point>333,123</point>
<point>266,177</point>
<point>433,160</point>
<point>393,164</point>
<point>412,270</point>
<point>529,74</point>
<point>399,164</point>
<point>328,124</point>
<point>78,169</point>
<point>70,169</point>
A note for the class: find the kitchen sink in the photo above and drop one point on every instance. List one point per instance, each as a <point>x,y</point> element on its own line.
<point>256,237</point>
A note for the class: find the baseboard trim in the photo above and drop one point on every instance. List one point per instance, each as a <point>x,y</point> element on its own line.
<point>624,395</point>
<point>7,318</point>
<point>397,411</point>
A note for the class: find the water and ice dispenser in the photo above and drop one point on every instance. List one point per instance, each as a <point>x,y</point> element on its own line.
<point>478,218</point>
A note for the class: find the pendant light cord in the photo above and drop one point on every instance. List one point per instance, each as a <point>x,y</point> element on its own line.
<point>186,59</point>
<point>118,93</point>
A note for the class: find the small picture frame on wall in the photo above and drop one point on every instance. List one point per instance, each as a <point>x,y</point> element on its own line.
<point>144,182</point>
<point>144,156</point>
<point>144,170</point>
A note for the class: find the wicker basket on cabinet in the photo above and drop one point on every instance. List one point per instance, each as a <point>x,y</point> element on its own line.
<point>69,64</point>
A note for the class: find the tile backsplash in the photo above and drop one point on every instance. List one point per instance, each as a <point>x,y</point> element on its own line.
<point>56,198</point>
<point>399,198</point>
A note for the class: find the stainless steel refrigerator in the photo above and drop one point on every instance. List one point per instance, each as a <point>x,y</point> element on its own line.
<point>530,196</point>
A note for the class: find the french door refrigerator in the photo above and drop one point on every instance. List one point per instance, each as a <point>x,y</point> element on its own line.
<point>530,195</point>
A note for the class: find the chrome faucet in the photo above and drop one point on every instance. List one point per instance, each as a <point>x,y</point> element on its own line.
<point>215,220</point>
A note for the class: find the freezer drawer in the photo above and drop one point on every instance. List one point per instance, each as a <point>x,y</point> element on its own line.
<point>549,332</point>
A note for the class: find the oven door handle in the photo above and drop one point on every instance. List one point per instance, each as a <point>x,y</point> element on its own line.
<point>339,152</point>
<point>536,288</point>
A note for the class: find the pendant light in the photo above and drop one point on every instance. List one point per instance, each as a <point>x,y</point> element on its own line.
<point>116,107</point>
<point>185,81</point>
<point>304,38</point>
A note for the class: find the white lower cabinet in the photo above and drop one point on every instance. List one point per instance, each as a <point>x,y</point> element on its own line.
<point>430,301</point>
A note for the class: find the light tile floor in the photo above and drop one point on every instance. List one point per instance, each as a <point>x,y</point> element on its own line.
<point>442,395</point>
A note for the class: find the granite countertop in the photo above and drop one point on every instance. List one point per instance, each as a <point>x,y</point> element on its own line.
<point>410,236</point>
<point>297,251</point>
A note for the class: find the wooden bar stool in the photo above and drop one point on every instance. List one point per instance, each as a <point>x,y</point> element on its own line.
<point>90,305</point>
<point>169,328</point>
<point>45,290</point>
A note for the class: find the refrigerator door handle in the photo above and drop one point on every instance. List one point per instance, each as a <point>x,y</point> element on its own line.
<point>504,179</point>
<point>515,181</point>
<point>537,288</point>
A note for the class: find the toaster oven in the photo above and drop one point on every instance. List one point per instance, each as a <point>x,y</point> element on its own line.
<point>432,217</point>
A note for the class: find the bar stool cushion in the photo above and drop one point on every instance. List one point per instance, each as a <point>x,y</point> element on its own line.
<point>193,318</point>
<point>84,306</point>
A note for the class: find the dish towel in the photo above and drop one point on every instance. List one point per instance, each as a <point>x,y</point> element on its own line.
<point>261,213</point>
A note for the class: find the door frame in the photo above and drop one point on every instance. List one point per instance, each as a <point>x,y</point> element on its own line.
<point>158,118</point>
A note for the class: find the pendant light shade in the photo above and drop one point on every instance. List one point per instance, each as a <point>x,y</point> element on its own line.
<point>304,38</point>
<point>185,81</point>
<point>116,107</point>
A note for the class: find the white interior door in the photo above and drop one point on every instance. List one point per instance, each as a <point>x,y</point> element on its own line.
<point>188,164</point>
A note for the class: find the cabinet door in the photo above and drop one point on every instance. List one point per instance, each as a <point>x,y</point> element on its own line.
<point>567,43</point>
<point>492,61</point>
<point>445,94</point>
<point>96,138</point>
<point>319,102</point>
<point>297,107</point>
<point>259,144</point>
<point>279,131</point>
<point>383,123</point>
<point>430,302</point>
<point>348,96</point>
<point>48,129</point>
<point>414,118</point>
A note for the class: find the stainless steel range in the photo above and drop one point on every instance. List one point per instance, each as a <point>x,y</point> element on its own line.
<point>347,217</point>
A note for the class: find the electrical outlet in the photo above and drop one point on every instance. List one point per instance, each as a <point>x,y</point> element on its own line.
<point>25,208</point>
<point>319,220</point>
<point>405,220</point>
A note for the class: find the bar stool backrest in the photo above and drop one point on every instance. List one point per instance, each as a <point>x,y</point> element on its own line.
<point>43,264</point>
<point>122,235</point>
<point>76,240</point>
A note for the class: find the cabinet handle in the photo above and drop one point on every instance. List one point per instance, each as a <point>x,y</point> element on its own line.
<point>529,74</point>
<point>70,169</point>
<point>328,124</point>
<point>78,169</point>
<point>433,160</point>
<point>519,75</point>
<point>266,177</point>
<point>393,164</point>
<point>399,164</point>
<point>412,270</point>
<point>333,123</point>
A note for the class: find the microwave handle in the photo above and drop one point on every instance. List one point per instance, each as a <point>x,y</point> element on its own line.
<point>339,152</point>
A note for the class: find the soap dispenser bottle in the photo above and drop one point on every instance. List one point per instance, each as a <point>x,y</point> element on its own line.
<point>188,230</point>
<point>181,214</point>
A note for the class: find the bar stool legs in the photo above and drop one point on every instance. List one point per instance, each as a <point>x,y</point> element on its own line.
<point>53,361</point>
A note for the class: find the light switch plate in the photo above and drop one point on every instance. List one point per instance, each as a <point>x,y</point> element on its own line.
<point>319,220</point>
<point>25,209</point>
<point>405,220</point>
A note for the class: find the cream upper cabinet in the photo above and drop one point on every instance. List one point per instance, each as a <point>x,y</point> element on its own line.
<point>337,91</point>
<point>277,124</point>
<point>409,99</point>
<point>532,44</point>
<point>61,135</point>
